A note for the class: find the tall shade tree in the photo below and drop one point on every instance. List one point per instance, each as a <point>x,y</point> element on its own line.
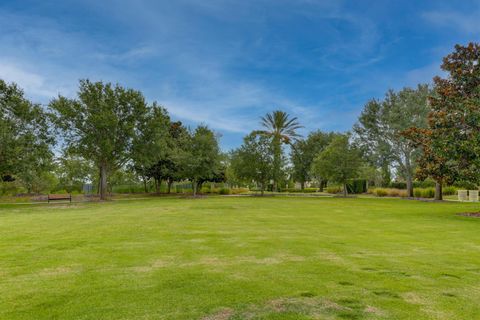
<point>304,152</point>
<point>339,162</point>
<point>281,129</point>
<point>381,123</point>
<point>253,161</point>
<point>150,142</point>
<point>25,138</point>
<point>99,125</point>
<point>201,159</point>
<point>451,143</point>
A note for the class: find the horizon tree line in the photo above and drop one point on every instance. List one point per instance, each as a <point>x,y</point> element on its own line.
<point>414,133</point>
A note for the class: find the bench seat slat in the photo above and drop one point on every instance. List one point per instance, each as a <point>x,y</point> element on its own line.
<point>59,197</point>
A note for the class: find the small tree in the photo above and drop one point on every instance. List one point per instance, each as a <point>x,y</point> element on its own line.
<point>201,160</point>
<point>339,162</point>
<point>253,160</point>
<point>304,152</point>
<point>99,125</point>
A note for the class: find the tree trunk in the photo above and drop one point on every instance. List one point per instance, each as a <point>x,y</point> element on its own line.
<point>103,182</point>
<point>438,191</point>
<point>170,182</point>
<point>345,190</point>
<point>277,155</point>
<point>145,184</point>
<point>320,189</point>
<point>262,189</point>
<point>409,186</point>
<point>302,185</point>
<point>408,175</point>
<point>199,186</point>
<point>194,185</point>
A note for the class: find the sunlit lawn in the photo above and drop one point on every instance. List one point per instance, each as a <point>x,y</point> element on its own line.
<point>240,258</point>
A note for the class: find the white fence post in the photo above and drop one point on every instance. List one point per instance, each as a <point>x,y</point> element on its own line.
<point>462,195</point>
<point>473,195</point>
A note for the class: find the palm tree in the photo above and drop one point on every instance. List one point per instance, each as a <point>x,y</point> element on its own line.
<point>282,130</point>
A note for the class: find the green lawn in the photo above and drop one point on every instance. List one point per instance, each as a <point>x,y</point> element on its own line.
<point>240,258</point>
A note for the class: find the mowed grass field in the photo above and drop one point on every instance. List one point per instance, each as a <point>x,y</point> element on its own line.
<point>240,258</point>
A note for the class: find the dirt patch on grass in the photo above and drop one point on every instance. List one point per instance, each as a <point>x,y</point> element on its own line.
<point>469,214</point>
<point>157,264</point>
<point>56,271</point>
<point>214,261</point>
<point>222,314</point>
<point>314,307</point>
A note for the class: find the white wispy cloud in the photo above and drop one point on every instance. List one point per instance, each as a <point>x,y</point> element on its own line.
<point>468,22</point>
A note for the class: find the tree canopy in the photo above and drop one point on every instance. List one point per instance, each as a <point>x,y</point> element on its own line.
<point>339,162</point>
<point>99,124</point>
<point>253,161</point>
<point>281,129</point>
<point>380,126</point>
<point>451,142</point>
<point>25,137</point>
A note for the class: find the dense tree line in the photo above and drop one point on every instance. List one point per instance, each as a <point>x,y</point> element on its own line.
<point>108,132</point>
<point>107,127</point>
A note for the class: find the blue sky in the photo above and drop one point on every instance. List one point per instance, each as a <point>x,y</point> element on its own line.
<point>226,63</point>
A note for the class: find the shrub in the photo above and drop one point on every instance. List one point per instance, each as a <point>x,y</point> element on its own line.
<point>424,184</point>
<point>428,193</point>
<point>239,190</point>
<point>449,191</point>
<point>416,184</point>
<point>225,191</point>
<point>305,190</point>
<point>424,192</point>
<point>357,186</point>
<point>393,192</point>
<point>398,185</point>
<point>334,189</point>
<point>417,193</point>
<point>380,192</point>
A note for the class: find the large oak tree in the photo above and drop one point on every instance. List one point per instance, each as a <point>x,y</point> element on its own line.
<point>99,124</point>
<point>451,143</point>
<point>380,126</point>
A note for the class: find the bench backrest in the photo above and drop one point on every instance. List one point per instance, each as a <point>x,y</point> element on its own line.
<point>59,196</point>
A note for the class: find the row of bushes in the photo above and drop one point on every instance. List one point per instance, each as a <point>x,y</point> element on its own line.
<point>417,192</point>
<point>431,184</point>
<point>305,190</point>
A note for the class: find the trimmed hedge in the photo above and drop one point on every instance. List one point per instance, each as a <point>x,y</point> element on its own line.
<point>334,189</point>
<point>356,186</point>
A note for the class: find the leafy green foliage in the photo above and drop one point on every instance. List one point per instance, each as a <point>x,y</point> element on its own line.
<point>25,138</point>
<point>252,162</point>
<point>150,141</point>
<point>451,143</point>
<point>201,159</point>
<point>281,129</point>
<point>100,124</point>
<point>379,127</point>
<point>339,162</point>
<point>304,152</point>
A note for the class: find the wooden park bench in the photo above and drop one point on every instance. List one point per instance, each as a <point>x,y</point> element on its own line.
<point>54,197</point>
